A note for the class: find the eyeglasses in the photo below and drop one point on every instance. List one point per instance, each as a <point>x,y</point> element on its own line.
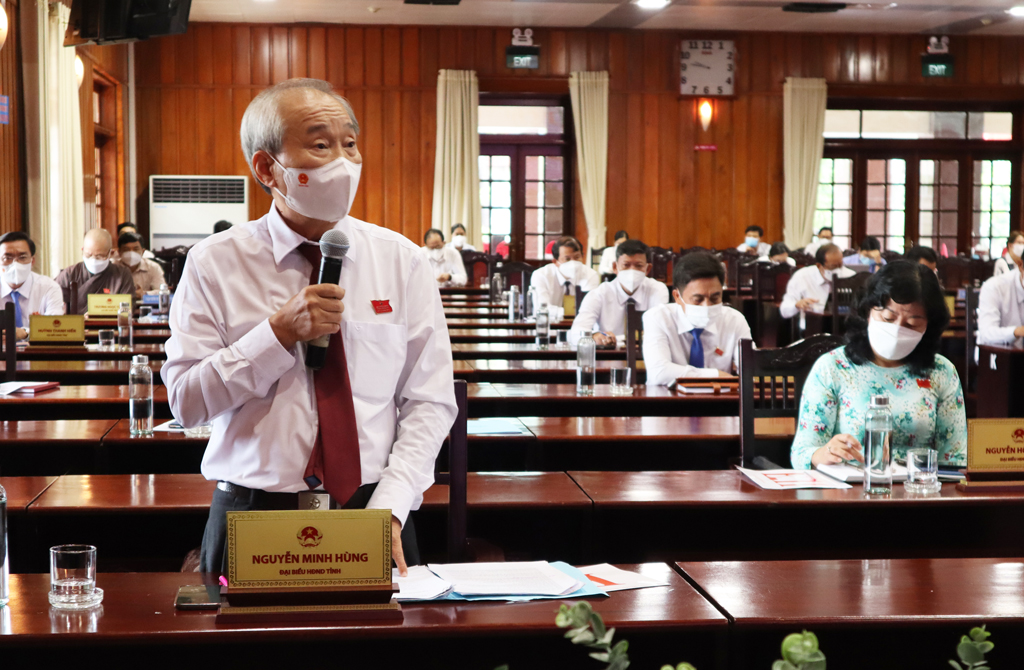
<point>7,259</point>
<point>890,316</point>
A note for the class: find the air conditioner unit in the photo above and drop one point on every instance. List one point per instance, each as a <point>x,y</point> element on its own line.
<point>183,208</point>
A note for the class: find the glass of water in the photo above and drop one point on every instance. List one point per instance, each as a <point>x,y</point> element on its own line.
<point>107,338</point>
<point>145,312</point>
<point>563,338</point>
<point>73,577</point>
<point>621,379</point>
<point>922,471</point>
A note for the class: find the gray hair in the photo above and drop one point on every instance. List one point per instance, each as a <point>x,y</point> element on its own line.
<point>262,129</point>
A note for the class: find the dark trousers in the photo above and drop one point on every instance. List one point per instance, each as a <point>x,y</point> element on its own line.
<point>213,555</point>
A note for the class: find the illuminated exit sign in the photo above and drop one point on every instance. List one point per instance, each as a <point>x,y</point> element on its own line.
<point>522,57</point>
<point>937,65</point>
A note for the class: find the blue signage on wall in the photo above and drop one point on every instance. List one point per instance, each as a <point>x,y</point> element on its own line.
<point>5,107</point>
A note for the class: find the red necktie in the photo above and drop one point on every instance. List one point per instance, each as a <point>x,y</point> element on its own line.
<point>335,458</point>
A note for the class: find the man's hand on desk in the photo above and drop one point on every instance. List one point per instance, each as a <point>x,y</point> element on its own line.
<point>1017,332</point>
<point>313,312</point>
<point>601,339</point>
<point>805,304</point>
<point>396,547</point>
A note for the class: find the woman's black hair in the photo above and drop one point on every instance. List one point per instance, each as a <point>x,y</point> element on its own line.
<point>902,282</point>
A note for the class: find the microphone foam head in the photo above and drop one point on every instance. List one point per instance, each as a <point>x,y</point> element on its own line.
<point>334,244</point>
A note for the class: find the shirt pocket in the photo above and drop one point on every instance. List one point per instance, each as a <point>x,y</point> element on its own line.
<point>375,353</point>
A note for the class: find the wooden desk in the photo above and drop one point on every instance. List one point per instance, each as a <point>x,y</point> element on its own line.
<point>143,335</point>
<point>494,323</point>
<point>541,372</point>
<point>79,373</point>
<point>631,509</point>
<point>21,491</point>
<point>526,351</point>
<point>162,452</point>
<point>107,323</point>
<point>46,448</point>
<point>475,313</point>
<point>90,352</point>
<point>914,610</point>
<point>1000,370</point>
<point>484,335</point>
<point>561,399</point>
<point>138,618</point>
<point>79,402</point>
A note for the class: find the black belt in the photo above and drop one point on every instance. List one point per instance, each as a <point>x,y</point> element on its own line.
<point>273,500</point>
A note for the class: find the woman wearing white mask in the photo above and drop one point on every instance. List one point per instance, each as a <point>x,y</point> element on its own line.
<point>892,349</point>
<point>459,242</point>
<point>604,309</point>
<point>445,262</point>
<point>696,335</point>
<point>1012,257</point>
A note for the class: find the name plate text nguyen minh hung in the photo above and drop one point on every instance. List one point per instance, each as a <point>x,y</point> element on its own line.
<point>66,328</point>
<point>995,444</point>
<point>106,304</point>
<point>300,549</point>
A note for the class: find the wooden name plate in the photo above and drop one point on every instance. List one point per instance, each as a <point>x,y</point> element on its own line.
<point>995,455</point>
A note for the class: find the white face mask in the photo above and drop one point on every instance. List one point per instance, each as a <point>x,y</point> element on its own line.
<point>891,341</point>
<point>95,265</point>
<point>1017,250</point>
<point>702,316</point>
<point>326,193</point>
<point>131,258</point>
<point>16,274</point>
<point>436,254</point>
<point>829,275</point>
<point>752,242</point>
<point>569,269</point>
<point>630,279</point>
<point>459,241</point>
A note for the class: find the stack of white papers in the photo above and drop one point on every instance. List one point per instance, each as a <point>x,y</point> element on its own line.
<point>7,388</point>
<point>421,584</point>
<point>850,473</point>
<point>495,427</point>
<point>536,578</point>
<point>782,480</point>
<point>611,578</point>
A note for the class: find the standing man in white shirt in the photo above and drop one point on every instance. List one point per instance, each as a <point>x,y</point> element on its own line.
<point>752,244</point>
<point>808,289</point>
<point>1001,310</point>
<point>368,426</point>
<point>31,293</point>
<point>696,335</point>
<point>610,254</point>
<point>556,280</point>
<point>445,262</point>
<point>459,242</point>
<point>604,309</point>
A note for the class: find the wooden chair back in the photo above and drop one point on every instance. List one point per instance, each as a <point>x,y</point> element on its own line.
<point>10,343</point>
<point>71,301</point>
<point>455,478</point>
<point>175,257</point>
<point>846,293</point>
<point>660,261</point>
<point>516,273</point>
<point>634,336</point>
<point>978,271</point>
<point>746,271</point>
<point>802,259</point>
<point>771,381</point>
<point>595,257</point>
<point>970,368</point>
<point>470,260</point>
<point>954,272</point>
<point>889,256</point>
<point>770,282</point>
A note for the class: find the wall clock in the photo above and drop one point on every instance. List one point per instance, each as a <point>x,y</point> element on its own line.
<point>707,68</point>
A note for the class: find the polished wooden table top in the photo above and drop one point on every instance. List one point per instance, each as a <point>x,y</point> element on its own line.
<point>21,491</point>
<point>142,335</point>
<point>137,494</point>
<point>495,323</point>
<point>78,372</point>
<point>483,335</point>
<point>25,433</point>
<point>91,352</point>
<point>80,395</point>
<point>514,490</point>
<point>652,428</point>
<point>894,591</point>
<point>510,399</point>
<point>139,607</point>
<point>119,435</point>
<point>111,323</point>
<point>526,351</point>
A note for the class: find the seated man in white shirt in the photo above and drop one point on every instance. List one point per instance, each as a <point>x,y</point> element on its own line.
<point>752,244</point>
<point>556,280</point>
<point>604,309</point>
<point>1012,257</point>
<point>610,254</point>
<point>869,254</point>
<point>30,292</point>
<point>367,420</point>
<point>823,237</point>
<point>459,242</point>
<point>445,261</point>
<point>1001,310</point>
<point>778,254</point>
<point>696,335</point>
<point>808,289</point>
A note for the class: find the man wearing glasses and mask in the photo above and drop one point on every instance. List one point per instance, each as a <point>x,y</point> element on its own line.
<point>30,292</point>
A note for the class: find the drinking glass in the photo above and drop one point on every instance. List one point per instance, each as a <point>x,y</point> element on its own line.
<point>563,338</point>
<point>922,471</point>
<point>107,339</point>
<point>145,311</point>
<point>620,379</point>
<point>73,577</point>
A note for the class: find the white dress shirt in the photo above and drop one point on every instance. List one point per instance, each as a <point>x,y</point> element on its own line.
<point>762,248</point>
<point>39,295</point>
<point>1003,265</point>
<point>809,283</point>
<point>667,340</point>
<point>604,308</point>
<point>767,259</point>
<point>225,364</point>
<point>450,264</point>
<point>1001,309</point>
<point>549,284</point>
<point>607,264</point>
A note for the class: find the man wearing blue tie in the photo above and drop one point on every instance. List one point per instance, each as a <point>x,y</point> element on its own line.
<point>31,293</point>
<point>696,335</point>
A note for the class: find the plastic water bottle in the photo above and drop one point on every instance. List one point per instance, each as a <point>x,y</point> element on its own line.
<point>514,313</point>
<point>543,326</point>
<point>5,569</point>
<point>586,364</point>
<point>164,299</point>
<point>877,452</point>
<point>140,392</point>
<point>124,325</point>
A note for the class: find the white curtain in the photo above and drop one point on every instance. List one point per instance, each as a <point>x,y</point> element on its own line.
<point>804,103</point>
<point>589,93</point>
<point>58,222</point>
<point>456,170</point>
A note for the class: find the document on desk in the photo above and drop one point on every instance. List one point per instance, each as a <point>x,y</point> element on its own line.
<point>421,584</point>
<point>855,474</point>
<point>783,480</point>
<point>611,578</point>
<point>532,578</point>
<point>171,426</point>
<point>27,388</point>
<point>495,426</point>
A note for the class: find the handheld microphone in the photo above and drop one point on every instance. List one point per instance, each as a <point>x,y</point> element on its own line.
<point>333,247</point>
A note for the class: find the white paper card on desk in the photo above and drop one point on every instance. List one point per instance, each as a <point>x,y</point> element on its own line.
<point>495,426</point>
<point>696,389</point>
<point>421,584</point>
<point>26,388</point>
<point>784,480</point>
<point>611,578</point>
<point>171,426</point>
<point>522,579</point>
<point>850,473</point>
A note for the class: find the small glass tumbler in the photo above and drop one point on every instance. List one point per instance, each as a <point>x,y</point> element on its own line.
<point>107,338</point>
<point>563,338</point>
<point>73,577</point>
<point>145,312</point>
<point>922,471</point>
<point>621,379</point>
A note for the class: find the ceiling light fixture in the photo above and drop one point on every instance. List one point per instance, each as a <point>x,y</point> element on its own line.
<point>652,4</point>
<point>1016,11</point>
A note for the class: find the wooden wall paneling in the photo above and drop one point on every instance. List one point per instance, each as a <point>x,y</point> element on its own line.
<point>649,188</point>
<point>188,155</point>
<point>466,42</point>
<point>429,57</point>
<point>866,59</point>
<point>760,72</point>
<point>355,62</point>
<point>428,139</point>
<point>668,224</point>
<point>484,58</point>
<point>447,49</point>
<point>576,42</point>
<point>831,60</point>
<point>1008,61</point>
<point>279,54</point>
<point>373,56</point>
<point>559,57</point>
<point>335,44</point>
<point>88,145</point>
<point>317,53</point>
<point>11,172</point>
<point>261,56</point>
<point>373,169</point>
<point>757,169</point>
<point>410,63</point>
<point>882,59</point>
<point>794,56</point>
<point>687,172</point>
<point>616,217</point>
<point>222,127</point>
<point>357,98</point>
<point>392,57</point>
<point>776,65</point>
<point>205,61</point>
<point>206,132</point>
<point>241,56</point>
<point>725,197</point>
<point>185,69</point>
<point>990,59</point>
<point>392,163</point>
<point>741,158</point>
<point>634,164</point>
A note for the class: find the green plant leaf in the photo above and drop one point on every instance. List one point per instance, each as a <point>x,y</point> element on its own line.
<point>980,634</point>
<point>667,667</point>
<point>799,647</point>
<point>585,636</point>
<point>685,666</point>
<point>501,667</point>
<point>969,653</point>
<point>619,664</point>
<point>956,665</point>
<point>985,647</point>
<point>783,665</point>
<point>600,656</point>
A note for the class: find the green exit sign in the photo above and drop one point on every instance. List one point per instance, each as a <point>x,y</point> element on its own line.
<point>937,65</point>
<point>522,57</point>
